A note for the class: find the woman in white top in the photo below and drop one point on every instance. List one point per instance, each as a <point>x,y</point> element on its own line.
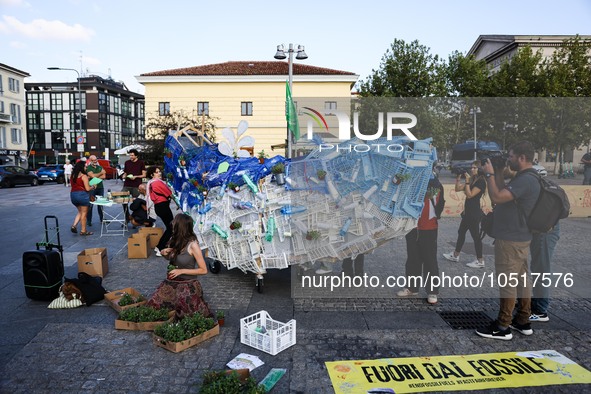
<point>67,172</point>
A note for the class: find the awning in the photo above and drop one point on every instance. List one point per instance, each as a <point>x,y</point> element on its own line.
<point>125,150</point>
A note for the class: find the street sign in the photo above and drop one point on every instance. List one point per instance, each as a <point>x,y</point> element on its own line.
<point>80,139</point>
<point>32,153</point>
<point>80,148</point>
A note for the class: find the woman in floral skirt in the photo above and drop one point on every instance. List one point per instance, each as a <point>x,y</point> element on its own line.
<point>181,291</point>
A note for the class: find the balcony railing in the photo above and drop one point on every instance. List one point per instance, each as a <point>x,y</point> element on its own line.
<point>6,118</point>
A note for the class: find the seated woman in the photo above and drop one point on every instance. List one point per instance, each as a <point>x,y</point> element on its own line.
<point>181,291</point>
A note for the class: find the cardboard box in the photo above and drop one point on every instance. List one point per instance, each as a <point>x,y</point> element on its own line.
<point>94,262</point>
<point>143,326</point>
<point>138,246</point>
<point>177,347</point>
<point>155,234</point>
<point>114,297</point>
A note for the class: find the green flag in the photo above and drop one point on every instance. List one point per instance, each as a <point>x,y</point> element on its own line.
<point>291,114</point>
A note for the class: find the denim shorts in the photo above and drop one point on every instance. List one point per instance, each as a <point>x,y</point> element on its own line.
<point>80,199</point>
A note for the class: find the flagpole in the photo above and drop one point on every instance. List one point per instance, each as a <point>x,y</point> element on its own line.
<point>301,55</point>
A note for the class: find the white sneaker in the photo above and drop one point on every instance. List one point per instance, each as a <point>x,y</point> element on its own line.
<point>157,252</point>
<point>476,264</point>
<point>432,299</point>
<point>324,269</point>
<point>451,257</point>
<point>406,293</point>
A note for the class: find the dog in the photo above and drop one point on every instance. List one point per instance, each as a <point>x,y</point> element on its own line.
<point>70,291</point>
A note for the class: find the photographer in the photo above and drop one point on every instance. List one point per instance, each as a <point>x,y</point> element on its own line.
<point>512,238</point>
<point>473,187</point>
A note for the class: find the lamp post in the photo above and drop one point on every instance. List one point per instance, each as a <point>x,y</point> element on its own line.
<point>473,111</point>
<point>280,55</point>
<point>79,96</point>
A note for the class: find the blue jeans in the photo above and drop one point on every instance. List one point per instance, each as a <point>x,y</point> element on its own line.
<point>95,192</point>
<point>541,249</point>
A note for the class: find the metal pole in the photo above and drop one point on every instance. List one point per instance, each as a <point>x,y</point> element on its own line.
<point>474,110</point>
<point>79,105</point>
<point>290,74</point>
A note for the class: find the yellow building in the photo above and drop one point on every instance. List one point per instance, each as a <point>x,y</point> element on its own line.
<point>252,91</point>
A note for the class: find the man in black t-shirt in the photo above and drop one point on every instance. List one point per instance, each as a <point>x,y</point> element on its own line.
<point>512,240</point>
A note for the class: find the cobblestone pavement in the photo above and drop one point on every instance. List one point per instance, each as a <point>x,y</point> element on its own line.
<point>78,350</point>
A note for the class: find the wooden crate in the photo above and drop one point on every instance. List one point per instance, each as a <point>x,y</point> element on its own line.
<point>143,326</point>
<point>177,347</point>
<point>114,297</point>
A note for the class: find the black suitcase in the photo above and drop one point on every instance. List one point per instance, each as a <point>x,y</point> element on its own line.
<point>43,270</point>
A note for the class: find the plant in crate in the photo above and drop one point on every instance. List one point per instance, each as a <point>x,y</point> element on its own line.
<point>143,313</point>
<point>279,171</point>
<point>128,299</point>
<point>234,186</point>
<point>220,316</point>
<point>321,174</point>
<point>312,235</point>
<point>235,225</point>
<point>188,327</point>
<point>194,182</point>
<point>202,189</point>
<point>399,178</point>
<point>182,160</point>
<point>167,153</point>
<point>262,156</point>
<point>216,382</point>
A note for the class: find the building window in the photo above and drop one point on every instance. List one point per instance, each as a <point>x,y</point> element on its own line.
<point>203,108</point>
<point>16,136</point>
<point>57,121</point>
<point>330,107</point>
<point>126,108</point>
<point>35,101</point>
<point>14,85</point>
<point>74,101</point>
<point>116,105</point>
<point>163,109</point>
<point>35,121</point>
<point>103,103</point>
<point>57,102</point>
<point>15,111</point>
<point>103,122</point>
<point>2,137</point>
<point>1,107</point>
<point>246,108</point>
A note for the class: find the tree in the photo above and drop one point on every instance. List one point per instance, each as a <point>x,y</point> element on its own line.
<point>406,70</point>
<point>158,127</point>
<point>466,77</point>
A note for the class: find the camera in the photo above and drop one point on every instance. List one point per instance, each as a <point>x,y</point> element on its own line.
<point>497,159</point>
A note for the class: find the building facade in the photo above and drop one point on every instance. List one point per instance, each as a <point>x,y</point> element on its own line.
<point>497,49</point>
<point>251,91</point>
<point>13,141</point>
<point>112,117</point>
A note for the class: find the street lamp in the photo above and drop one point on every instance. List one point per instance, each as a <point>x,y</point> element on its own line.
<point>79,96</point>
<point>473,111</point>
<point>280,55</point>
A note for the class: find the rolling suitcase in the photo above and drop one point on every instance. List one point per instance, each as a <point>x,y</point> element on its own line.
<point>43,269</point>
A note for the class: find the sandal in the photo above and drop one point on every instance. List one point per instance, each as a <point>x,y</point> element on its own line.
<point>86,233</point>
<point>73,229</point>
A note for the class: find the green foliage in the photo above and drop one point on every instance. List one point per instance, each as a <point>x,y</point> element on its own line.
<point>143,313</point>
<point>220,315</point>
<point>232,186</point>
<point>170,267</point>
<point>320,174</point>
<point>128,299</point>
<point>406,70</point>
<point>262,154</point>
<point>188,327</point>
<point>312,235</point>
<point>216,382</point>
<point>278,168</point>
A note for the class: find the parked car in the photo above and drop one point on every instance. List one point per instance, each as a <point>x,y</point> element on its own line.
<point>463,154</point>
<point>540,169</point>
<point>51,173</point>
<point>10,176</point>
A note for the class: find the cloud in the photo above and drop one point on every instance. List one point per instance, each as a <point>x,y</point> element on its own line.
<point>14,3</point>
<point>17,44</point>
<point>42,29</point>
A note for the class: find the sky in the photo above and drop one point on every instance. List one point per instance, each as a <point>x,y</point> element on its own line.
<point>126,38</point>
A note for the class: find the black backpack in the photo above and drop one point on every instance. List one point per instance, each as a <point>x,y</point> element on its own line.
<point>552,205</point>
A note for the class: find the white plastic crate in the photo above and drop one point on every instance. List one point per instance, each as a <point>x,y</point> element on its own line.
<point>265,334</point>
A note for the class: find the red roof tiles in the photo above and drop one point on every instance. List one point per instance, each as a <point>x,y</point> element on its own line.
<point>248,68</point>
